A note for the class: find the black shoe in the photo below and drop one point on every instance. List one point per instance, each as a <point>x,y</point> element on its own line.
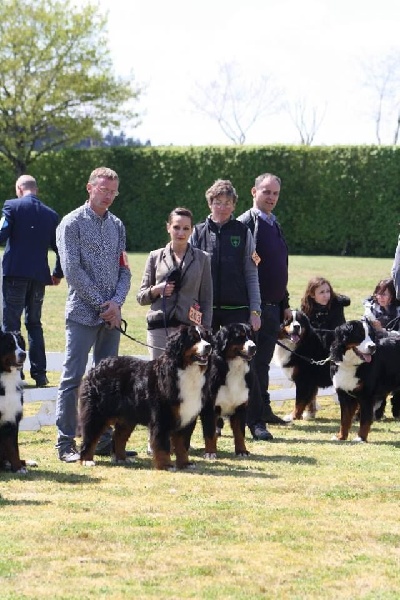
<point>395,412</point>
<point>261,433</point>
<point>395,401</point>
<point>42,382</point>
<point>272,418</point>
<point>105,449</point>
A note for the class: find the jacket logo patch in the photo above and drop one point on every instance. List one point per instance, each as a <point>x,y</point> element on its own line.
<point>235,241</point>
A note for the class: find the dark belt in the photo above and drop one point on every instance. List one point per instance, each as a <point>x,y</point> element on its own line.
<point>270,303</point>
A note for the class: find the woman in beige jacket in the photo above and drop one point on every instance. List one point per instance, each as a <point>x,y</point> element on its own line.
<point>176,283</point>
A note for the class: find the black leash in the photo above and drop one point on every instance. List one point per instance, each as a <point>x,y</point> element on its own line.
<point>123,331</point>
<point>319,363</point>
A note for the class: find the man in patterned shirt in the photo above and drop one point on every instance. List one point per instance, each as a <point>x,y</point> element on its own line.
<point>91,244</point>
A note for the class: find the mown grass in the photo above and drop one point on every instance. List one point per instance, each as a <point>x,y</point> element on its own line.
<point>301,517</point>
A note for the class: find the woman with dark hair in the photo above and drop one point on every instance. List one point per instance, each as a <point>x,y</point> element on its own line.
<point>383,310</point>
<point>323,306</point>
<point>176,283</point>
<point>325,309</point>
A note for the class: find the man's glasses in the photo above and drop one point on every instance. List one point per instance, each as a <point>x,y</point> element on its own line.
<point>106,192</point>
<point>219,204</point>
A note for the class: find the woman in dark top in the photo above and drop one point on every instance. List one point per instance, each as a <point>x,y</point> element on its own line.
<point>383,310</point>
<point>322,305</point>
<point>325,309</point>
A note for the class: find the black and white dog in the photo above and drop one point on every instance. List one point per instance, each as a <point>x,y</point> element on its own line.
<point>12,356</point>
<point>303,355</point>
<point>164,394</point>
<point>365,368</point>
<point>228,384</point>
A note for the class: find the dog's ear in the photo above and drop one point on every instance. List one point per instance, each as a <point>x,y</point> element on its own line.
<point>338,346</point>
<point>176,340</point>
<point>337,351</point>
<point>221,339</point>
<point>250,332</point>
<point>287,322</point>
<point>304,320</point>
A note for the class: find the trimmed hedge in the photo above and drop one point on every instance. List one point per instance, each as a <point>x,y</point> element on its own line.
<point>334,200</point>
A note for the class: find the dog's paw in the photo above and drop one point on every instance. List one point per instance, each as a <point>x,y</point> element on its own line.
<point>190,466</point>
<point>335,438</point>
<point>88,463</point>
<point>210,455</point>
<point>242,454</point>
<point>288,418</point>
<point>308,416</point>
<point>31,463</point>
<point>22,471</point>
<point>358,440</point>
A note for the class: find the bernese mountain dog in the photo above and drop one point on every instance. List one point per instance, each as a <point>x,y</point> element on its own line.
<point>365,369</point>
<point>228,383</point>
<point>303,354</point>
<point>12,356</point>
<point>164,394</point>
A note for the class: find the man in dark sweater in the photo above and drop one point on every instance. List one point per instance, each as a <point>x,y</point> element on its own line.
<point>272,259</point>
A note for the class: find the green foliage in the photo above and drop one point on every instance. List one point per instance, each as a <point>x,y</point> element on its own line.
<point>334,200</point>
<point>56,82</point>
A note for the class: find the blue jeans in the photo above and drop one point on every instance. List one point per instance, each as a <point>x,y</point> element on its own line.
<point>23,294</point>
<point>79,340</point>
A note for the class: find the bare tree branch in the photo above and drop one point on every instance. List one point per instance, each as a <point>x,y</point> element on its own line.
<point>306,119</point>
<point>236,102</point>
<point>382,77</point>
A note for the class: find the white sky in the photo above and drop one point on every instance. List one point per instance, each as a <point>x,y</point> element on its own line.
<point>313,49</point>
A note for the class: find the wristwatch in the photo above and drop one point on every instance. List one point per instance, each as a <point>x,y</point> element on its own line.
<point>256,312</point>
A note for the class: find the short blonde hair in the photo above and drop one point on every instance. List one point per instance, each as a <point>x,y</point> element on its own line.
<point>102,172</point>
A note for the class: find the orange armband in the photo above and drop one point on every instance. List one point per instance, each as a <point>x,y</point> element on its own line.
<point>123,260</point>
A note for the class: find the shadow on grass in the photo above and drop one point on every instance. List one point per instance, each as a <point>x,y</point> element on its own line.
<point>35,474</point>
<point>5,502</point>
<point>40,441</point>
<point>218,467</point>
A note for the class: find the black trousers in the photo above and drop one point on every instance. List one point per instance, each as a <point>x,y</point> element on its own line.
<point>256,406</point>
<point>266,338</point>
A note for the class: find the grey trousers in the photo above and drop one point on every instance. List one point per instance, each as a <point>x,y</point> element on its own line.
<point>79,340</point>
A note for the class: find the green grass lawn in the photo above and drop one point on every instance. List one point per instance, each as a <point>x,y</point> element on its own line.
<point>301,517</point>
<point>355,277</point>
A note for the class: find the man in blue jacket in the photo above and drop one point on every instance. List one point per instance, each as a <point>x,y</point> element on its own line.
<point>29,229</point>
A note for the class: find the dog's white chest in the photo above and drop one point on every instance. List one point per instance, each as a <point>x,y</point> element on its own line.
<point>345,378</point>
<point>234,392</point>
<point>10,403</point>
<point>191,381</point>
<point>281,358</point>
